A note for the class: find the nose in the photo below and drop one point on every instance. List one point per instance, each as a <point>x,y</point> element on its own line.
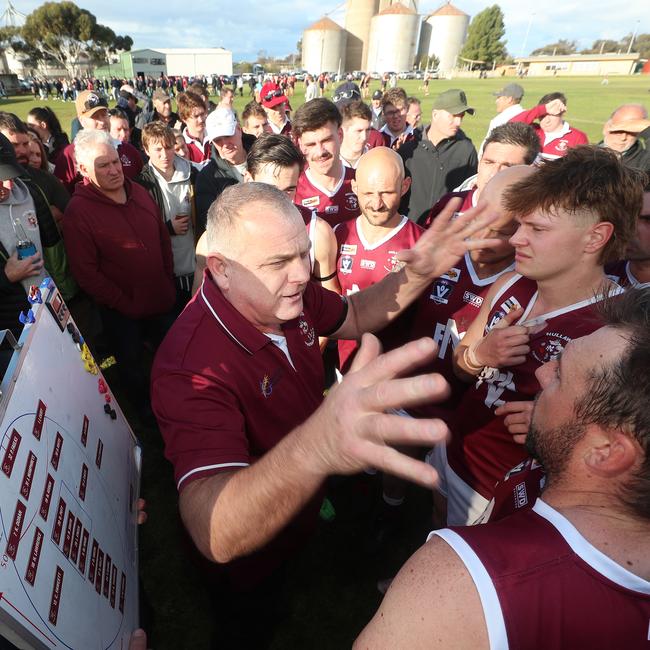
<point>457,120</point>
<point>300,271</point>
<point>517,239</point>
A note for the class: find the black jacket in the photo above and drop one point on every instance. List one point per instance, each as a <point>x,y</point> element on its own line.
<point>434,170</point>
<point>213,179</point>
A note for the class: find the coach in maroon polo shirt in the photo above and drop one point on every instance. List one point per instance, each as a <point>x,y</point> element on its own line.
<point>237,383</point>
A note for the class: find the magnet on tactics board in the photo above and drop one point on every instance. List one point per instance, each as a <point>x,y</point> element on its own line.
<point>26,317</point>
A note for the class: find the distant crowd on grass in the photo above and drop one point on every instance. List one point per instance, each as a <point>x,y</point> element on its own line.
<point>254,252</point>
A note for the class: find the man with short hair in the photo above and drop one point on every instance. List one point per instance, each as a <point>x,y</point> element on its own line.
<point>325,185</point>
<point>170,180</point>
<point>193,112</point>
<point>556,135</point>
<point>237,390</point>
<point>92,113</point>
<point>628,133</point>
<point>227,164</point>
<point>254,120</point>
<point>441,158</point>
<point>414,113</point>
<point>119,128</point>
<point>355,125</point>
<point>120,254</point>
<point>275,103</point>
<point>497,585</point>
<point>575,213</point>
<point>227,98</point>
<point>508,102</point>
<point>158,109</point>
<point>396,130</point>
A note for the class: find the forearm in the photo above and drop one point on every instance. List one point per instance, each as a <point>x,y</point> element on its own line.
<point>232,518</point>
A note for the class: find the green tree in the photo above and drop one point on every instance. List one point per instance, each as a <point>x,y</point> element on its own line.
<point>641,44</point>
<point>561,47</point>
<point>602,46</point>
<point>61,31</point>
<point>485,37</point>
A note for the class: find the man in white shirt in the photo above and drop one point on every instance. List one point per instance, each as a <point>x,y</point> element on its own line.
<point>508,101</point>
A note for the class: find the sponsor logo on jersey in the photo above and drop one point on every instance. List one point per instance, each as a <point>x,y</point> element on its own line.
<point>346,264</point>
<point>311,202</point>
<point>521,496</point>
<point>550,347</point>
<point>505,308</point>
<point>331,209</point>
<point>351,202</point>
<point>472,299</point>
<point>562,145</point>
<point>452,274</point>
<point>441,291</point>
<point>348,249</point>
<point>369,265</point>
<point>307,332</point>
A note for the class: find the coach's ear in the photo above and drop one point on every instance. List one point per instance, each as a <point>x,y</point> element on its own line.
<point>598,236</point>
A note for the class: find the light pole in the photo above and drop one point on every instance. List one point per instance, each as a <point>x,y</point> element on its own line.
<point>629,47</point>
<point>523,45</point>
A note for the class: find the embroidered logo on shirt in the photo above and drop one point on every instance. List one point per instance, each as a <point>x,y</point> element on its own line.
<point>452,274</point>
<point>551,347</point>
<point>311,202</point>
<point>351,202</point>
<point>346,264</point>
<point>268,382</point>
<point>308,333</point>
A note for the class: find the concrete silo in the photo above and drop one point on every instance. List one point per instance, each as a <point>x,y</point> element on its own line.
<point>393,39</point>
<point>358,14</point>
<point>446,29</point>
<point>323,47</point>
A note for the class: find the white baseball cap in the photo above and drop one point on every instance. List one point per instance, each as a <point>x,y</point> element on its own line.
<point>221,122</point>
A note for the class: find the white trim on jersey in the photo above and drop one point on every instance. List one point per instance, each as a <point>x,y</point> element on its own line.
<point>485,281</point>
<point>505,288</point>
<point>383,240</point>
<point>321,189</point>
<point>494,621</point>
<point>206,467</point>
<point>214,313</point>
<point>563,310</point>
<point>589,553</point>
<point>634,282</point>
<point>311,233</point>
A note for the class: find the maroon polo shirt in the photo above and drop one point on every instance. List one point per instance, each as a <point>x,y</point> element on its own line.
<point>224,393</point>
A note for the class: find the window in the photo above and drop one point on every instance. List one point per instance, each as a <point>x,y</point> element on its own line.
<point>139,59</point>
<point>157,61</point>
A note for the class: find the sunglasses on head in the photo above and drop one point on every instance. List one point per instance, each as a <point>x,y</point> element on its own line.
<point>94,101</point>
<point>346,94</point>
<point>273,93</point>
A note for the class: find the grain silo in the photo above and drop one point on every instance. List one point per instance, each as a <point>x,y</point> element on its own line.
<point>393,38</point>
<point>446,29</point>
<point>358,14</point>
<point>323,47</point>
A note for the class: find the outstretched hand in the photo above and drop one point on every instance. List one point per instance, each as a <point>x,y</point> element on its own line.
<point>448,239</point>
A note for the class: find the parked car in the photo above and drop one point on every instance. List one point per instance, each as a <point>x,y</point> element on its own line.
<point>407,74</point>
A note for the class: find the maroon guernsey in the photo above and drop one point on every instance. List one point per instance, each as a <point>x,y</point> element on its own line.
<point>335,207</point>
<point>542,584</point>
<point>481,449</point>
<point>468,202</point>
<point>554,145</point>
<point>393,141</point>
<point>66,167</point>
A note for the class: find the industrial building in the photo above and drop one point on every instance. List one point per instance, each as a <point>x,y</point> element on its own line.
<point>133,63</point>
<point>384,36</point>
<point>190,62</point>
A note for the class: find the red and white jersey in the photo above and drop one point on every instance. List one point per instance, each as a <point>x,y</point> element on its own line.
<point>444,312</point>
<point>542,584</point>
<point>621,273</point>
<point>556,144</point>
<point>336,206</point>
<point>481,449</point>
<point>198,151</point>
<point>395,141</point>
<point>469,201</point>
<point>360,264</point>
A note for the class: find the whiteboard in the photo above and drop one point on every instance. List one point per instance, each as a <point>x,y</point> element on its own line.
<point>69,483</point>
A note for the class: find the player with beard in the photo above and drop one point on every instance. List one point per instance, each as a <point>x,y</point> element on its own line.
<point>325,186</point>
<point>568,212</point>
<point>634,271</point>
<point>573,571</point>
<point>367,245</point>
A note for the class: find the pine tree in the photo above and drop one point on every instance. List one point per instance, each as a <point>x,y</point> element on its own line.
<point>484,37</point>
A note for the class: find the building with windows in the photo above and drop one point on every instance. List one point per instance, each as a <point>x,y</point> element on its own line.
<point>602,65</point>
<point>149,63</point>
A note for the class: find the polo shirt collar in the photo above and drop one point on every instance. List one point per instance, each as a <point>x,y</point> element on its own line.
<point>229,319</point>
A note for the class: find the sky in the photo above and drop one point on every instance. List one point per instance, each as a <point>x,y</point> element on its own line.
<point>247,26</point>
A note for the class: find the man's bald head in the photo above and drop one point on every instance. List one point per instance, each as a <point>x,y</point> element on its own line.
<point>629,112</point>
<point>494,191</point>
<point>379,185</point>
<point>619,132</point>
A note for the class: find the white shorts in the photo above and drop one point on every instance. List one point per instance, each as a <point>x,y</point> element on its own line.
<point>464,505</point>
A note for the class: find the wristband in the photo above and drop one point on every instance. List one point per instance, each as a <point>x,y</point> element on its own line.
<point>472,364</point>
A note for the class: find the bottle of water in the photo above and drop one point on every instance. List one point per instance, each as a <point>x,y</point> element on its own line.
<point>24,245</point>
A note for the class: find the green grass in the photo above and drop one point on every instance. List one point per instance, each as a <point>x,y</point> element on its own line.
<point>589,103</point>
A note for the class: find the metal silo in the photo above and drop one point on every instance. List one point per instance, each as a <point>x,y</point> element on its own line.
<point>393,39</point>
<point>448,33</point>
<point>358,14</point>
<point>323,47</point>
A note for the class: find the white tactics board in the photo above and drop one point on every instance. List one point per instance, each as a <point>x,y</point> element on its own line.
<point>69,480</point>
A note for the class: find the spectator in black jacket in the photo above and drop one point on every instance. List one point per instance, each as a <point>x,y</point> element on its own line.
<point>228,164</point>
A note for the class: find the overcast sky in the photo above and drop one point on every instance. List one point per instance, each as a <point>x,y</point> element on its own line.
<point>247,26</point>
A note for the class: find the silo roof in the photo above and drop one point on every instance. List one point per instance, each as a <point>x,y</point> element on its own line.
<point>447,10</point>
<point>397,8</point>
<point>324,23</point>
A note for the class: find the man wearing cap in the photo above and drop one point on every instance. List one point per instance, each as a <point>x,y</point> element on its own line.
<point>227,164</point>
<point>441,158</point>
<point>26,218</point>
<point>159,108</point>
<point>508,101</point>
<point>378,120</point>
<point>92,112</point>
<point>394,107</point>
<point>628,133</point>
<point>275,104</point>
